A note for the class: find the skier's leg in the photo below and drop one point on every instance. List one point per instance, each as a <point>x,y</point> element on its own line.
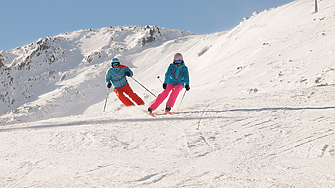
<point>174,95</point>
<point>127,89</point>
<point>161,97</point>
<point>122,97</point>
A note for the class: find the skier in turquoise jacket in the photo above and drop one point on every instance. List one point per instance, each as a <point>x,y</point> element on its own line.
<point>176,78</point>
<point>116,77</point>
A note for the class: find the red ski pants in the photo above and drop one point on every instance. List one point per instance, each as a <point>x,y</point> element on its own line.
<point>127,90</point>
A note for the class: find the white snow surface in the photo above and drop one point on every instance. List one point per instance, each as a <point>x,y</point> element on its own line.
<point>260,112</point>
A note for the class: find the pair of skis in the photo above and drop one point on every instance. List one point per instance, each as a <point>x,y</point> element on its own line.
<point>150,113</point>
<point>153,115</point>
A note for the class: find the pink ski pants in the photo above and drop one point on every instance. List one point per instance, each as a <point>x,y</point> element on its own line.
<point>172,99</point>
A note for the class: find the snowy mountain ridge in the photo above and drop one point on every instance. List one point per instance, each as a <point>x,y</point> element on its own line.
<point>47,62</point>
<point>37,78</point>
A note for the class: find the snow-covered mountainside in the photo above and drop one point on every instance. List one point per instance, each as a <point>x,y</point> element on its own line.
<point>274,50</point>
<point>36,79</point>
<point>260,112</point>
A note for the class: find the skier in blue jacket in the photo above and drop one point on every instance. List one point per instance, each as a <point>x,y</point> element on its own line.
<point>176,78</point>
<point>116,77</point>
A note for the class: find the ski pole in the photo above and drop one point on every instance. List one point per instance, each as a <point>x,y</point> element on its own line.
<point>106,100</point>
<point>143,86</point>
<point>159,79</point>
<point>182,99</point>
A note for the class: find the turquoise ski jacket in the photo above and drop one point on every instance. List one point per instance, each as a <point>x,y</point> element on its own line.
<point>177,75</point>
<point>117,76</point>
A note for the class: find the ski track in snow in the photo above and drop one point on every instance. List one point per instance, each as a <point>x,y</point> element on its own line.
<point>241,145</point>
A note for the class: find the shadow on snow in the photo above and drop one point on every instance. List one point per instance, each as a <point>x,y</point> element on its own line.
<point>158,119</point>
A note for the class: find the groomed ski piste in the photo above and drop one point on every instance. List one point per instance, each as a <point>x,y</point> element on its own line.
<point>260,111</point>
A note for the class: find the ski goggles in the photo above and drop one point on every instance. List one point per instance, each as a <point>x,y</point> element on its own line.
<point>178,61</point>
<point>115,64</point>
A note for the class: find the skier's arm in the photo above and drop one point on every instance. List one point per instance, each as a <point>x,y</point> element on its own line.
<point>186,76</point>
<point>108,77</point>
<point>187,80</point>
<point>167,75</point>
<point>128,72</point>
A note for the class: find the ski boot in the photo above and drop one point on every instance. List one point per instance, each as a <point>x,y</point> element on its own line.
<point>150,112</point>
<point>168,109</point>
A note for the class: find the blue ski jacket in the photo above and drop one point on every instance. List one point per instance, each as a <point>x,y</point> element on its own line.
<point>117,76</point>
<point>177,75</point>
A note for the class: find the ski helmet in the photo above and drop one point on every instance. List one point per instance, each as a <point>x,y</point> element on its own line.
<point>115,61</point>
<point>178,56</point>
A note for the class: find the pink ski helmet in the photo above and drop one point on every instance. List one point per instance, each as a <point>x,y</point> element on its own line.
<point>178,56</point>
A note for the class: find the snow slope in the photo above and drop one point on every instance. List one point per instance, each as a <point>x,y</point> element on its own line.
<point>65,74</point>
<point>260,112</point>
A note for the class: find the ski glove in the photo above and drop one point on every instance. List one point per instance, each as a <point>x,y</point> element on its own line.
<point>164,86</point>
<point>128,73</point>
<point>187,87</point>
<point>109,85</point>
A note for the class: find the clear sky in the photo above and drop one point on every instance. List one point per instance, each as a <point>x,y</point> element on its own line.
<point>25,21</point>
